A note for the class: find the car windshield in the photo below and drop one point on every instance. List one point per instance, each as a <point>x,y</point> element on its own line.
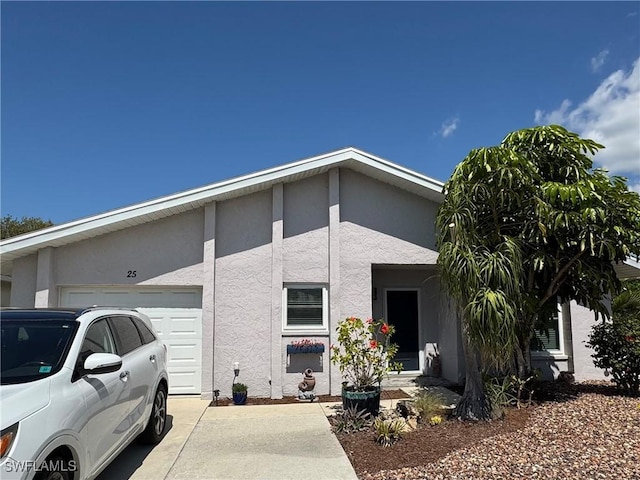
<point>33,349</point>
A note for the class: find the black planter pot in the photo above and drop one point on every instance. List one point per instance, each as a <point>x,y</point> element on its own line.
<point>369,400</point>
<point>239,398</point>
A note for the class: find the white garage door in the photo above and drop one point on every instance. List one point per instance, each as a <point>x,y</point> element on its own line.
<point>176,314</point>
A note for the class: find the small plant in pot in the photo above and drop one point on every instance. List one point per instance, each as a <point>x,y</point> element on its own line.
<point>364,354</point>
<point>239,391</point>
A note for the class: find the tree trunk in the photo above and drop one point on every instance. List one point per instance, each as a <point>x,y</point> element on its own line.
<point>474,404</point>
<point>523,350</point>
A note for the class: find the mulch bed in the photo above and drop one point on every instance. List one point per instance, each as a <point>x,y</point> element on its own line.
<point>223,402</point>
<point>573,432</point>
<point>426,444</point>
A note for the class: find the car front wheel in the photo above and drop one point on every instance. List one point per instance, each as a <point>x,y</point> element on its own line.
<point>55,468</point>
<point>158,419</point>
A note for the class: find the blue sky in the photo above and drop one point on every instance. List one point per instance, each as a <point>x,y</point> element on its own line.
<point>109,104</point>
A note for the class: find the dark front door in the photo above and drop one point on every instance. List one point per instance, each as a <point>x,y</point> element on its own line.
<point>402,313</point>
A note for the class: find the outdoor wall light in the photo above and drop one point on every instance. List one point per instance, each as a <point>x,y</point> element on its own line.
<point>236,369</point>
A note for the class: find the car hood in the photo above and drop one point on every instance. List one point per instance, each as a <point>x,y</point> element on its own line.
<point>23,399</point>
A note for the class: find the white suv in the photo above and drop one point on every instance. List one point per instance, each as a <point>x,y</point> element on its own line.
<point>77,388</point>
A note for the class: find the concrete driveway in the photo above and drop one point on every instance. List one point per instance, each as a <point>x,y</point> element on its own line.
<point>266,442</point>
<point>145,462</point>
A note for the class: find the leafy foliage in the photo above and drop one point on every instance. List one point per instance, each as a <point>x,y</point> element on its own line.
<point>616,343</point>
<point>501,394</point>
<point>364,352</point>
<point>11,226</point>
<point>532,222</point>
<point>525,223</point>
<point>428,405</point>
<point>239,388</point>
<point>435,420</point>
<point>388,431</point>
<point>351,420</point>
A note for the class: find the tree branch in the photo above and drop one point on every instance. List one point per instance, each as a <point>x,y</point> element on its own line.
<point>556,280</point>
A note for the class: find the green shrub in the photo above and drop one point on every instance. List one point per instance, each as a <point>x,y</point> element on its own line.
<point>239,388</point>
<point>616,346</point>
<point>388,432</point>
<point>428,405</point>
<point>351,421</point>
<point>501,394</point>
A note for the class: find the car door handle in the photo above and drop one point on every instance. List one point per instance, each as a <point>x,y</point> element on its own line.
<point>152,358</point>
<point>124,375</point>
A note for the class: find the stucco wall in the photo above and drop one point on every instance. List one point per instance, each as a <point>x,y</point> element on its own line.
<point>379,224</point>
<point>165,252</point>
<point>306,230</point>
<point>243,293</point>
<point>582,320</point>
<point>23,281</point>
<point>437,325</point>
<point>305,259</point>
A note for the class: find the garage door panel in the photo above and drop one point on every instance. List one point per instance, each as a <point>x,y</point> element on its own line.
<point>175,316</point>
<point>185,380</point>
<point>184,352</point>
<point>185,325</point>
<point>175,323</point>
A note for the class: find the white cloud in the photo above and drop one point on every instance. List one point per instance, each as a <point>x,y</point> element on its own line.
<point>449,127</point>
<point>610,116</point>
<point>635,188</point>
<point>598,61</point>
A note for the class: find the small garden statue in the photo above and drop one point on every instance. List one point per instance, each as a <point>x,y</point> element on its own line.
<point>306,386</point>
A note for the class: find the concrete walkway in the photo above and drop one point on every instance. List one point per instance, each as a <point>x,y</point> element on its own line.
<point>263,442</point>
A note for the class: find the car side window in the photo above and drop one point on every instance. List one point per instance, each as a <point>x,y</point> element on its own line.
<point>127,334</point>
<point>97,340</point>
<point>147,335</point>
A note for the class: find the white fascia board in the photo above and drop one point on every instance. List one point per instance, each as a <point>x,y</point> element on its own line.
<point>211,192</point>
<point>400,171</point>
<point>206,193</point>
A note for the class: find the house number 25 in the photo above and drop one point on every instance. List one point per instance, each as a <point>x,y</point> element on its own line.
<point>131,274</point>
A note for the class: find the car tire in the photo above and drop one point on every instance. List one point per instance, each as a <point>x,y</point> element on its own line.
<point>61,472</point>
<point>158,418</point>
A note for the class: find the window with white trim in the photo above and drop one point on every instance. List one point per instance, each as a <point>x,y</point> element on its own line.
<point>305,307</point>
<point>548,338</point>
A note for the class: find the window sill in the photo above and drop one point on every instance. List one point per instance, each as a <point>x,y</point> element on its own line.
<point>549,355</point>
<point>305,333</point>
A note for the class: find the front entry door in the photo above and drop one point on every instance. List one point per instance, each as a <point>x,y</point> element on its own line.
<point>402,313</point>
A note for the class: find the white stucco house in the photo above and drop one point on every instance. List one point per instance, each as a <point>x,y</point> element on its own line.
<point>237,270</point>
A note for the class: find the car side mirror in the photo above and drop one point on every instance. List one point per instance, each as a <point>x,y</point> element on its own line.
<point>97,363</point>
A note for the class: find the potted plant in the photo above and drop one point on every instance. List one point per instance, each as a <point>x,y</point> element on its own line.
<point>239,391</point>
<point>364,355</point>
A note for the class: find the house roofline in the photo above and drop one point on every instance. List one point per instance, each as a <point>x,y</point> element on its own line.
<point>155,209</point>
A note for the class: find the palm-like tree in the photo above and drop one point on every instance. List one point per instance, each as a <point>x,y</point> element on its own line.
<point>525,224</point>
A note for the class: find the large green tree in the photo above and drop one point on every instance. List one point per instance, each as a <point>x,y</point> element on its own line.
<point>523,225</point>
<point>11,226</point>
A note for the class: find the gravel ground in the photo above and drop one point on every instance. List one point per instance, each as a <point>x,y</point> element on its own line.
<point>593,436</point>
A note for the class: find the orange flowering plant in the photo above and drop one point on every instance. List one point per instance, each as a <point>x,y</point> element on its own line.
<point>364,352</point>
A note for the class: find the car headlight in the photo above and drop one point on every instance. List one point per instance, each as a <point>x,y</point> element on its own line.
<point>7,437</point>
